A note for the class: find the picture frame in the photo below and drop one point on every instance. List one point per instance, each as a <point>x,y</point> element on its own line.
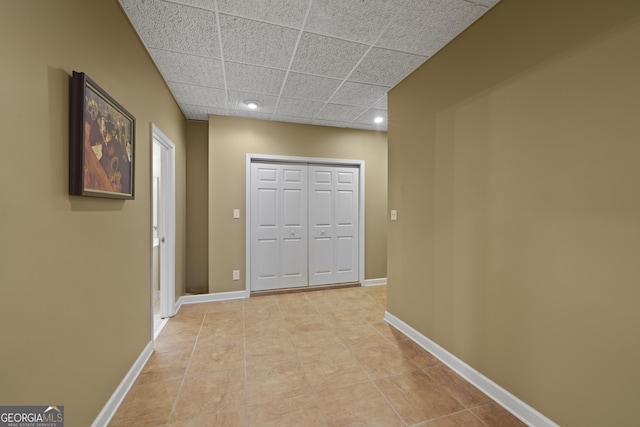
<point>101,143</point>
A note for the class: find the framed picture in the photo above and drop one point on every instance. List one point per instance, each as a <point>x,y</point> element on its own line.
<point>101,143</point>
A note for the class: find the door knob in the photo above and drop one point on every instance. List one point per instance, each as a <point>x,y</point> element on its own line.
<point>162,239</point>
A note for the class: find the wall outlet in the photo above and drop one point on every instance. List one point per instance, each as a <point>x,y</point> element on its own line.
<point>394,215</point>
<point>236,213</point>
<point>236,274</point>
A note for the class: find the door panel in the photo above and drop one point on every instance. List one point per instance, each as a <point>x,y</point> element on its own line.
<point>278,226</point>
<point>333,224</point>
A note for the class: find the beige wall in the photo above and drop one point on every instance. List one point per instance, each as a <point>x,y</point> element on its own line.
<point>231,138</point>
<point>197,270</point>
<point>75,272</point>
<point>513,163</point>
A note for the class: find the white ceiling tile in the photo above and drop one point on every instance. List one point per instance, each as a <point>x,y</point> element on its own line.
<point>238,100</point>
<point>339,113</point>
<point>368,116</point>
<point>257,43</point>
<point>250,114</point>
<point>386,67</point>
<point>283,12</point>
<point>202,4</point>
<point>198,95</point>
<point>291,119</point>
<point>326,56</point>
<point>331,123</point>
<point>381,104</point>
<point>250,78</point>
<point>198,112</point>
<point>309,87</point>
<point>191,69</point>
<point>298,107</point>
<point>360,21</point>
<point>488,3</point>
<point>174,27</point>
<point>423,27</point>
<point>358,94</point>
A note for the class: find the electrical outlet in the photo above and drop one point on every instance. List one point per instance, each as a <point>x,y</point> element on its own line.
<point>394,215</point>
<point>236,274</point>
<point>236,213</point>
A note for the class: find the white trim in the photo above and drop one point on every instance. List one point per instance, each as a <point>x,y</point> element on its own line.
<point>109,410</point>
<point>309,160</point>
<point>375,282</point>
<point>168,296</point>
<point>218,296</point>
<point>501,396</point>
<point>156,332</point>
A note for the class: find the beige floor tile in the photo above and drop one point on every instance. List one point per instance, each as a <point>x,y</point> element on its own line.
<point>224,306</point>
<point>357,405</point>
<point>262,313</point>
<point>297,411</point>
<point>457,386</point>
<point>358,336</point>
<point>460,419</point>
<point>262,301</point>
<point>417,397</point>
<point>389,332</point>
<point>383,361</point>
<point>222,391</point>
<point>276,381</point>
<point>333,370</point>
<point>269,349</point>
<point>177,327</point>
<point>178,342</point>
<point>147,405</point>
<point>266,328</point>
<point>316,342</point>
<point>216,358</point>
<point>221,318</point>
<point>418,355</point>
<point>165,366</point>
<point>306,323</point>
<point>221,334</point>
<point>494,415</point>
<point>297,309</point>
<point>223,419</point>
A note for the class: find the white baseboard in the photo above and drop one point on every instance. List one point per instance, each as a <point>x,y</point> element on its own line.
<point>375,282</point>
<point>109,410</point>
<point>501,396</point>
<point>218,296</point>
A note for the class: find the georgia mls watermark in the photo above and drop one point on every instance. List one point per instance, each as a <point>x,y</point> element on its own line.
<point>31,416</point>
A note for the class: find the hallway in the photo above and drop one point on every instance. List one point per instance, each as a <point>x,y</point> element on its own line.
<point>322,358</point>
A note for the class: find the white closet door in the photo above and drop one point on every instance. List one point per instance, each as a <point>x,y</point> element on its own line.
<point>279,226</point>
<point>333,224</point>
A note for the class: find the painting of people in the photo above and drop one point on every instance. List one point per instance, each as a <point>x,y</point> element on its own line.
<point>107,131</point>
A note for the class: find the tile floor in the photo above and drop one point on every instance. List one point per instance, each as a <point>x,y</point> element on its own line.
<point>323,358</point>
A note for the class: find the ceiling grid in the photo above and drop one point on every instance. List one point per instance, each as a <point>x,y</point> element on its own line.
<point>322,62</point>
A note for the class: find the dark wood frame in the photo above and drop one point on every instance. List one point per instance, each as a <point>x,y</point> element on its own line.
<point>101,143</point>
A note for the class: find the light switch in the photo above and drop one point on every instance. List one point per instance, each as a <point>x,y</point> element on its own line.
<point>236,274</point>
<point>236,213</point>
<point>394,215</point>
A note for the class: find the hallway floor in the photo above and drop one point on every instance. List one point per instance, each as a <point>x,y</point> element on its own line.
<point>323,358</point>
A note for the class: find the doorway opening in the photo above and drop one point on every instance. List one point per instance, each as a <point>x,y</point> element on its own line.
<point>163,231</point>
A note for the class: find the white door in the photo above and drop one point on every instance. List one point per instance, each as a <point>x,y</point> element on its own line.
<point>278,226</point>
<point>333,224</point>
<point>164,213</point>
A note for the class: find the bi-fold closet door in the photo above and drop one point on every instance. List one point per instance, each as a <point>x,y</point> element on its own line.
<point>304,225</point>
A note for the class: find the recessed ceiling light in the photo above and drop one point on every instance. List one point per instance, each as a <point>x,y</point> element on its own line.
<point>252,105</point>
<point>378,120</point>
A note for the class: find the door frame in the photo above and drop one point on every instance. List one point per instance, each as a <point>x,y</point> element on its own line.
<point>253,157</point>
<point>167,223</point>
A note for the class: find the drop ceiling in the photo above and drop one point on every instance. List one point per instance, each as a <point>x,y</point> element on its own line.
<point>321,62</point>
